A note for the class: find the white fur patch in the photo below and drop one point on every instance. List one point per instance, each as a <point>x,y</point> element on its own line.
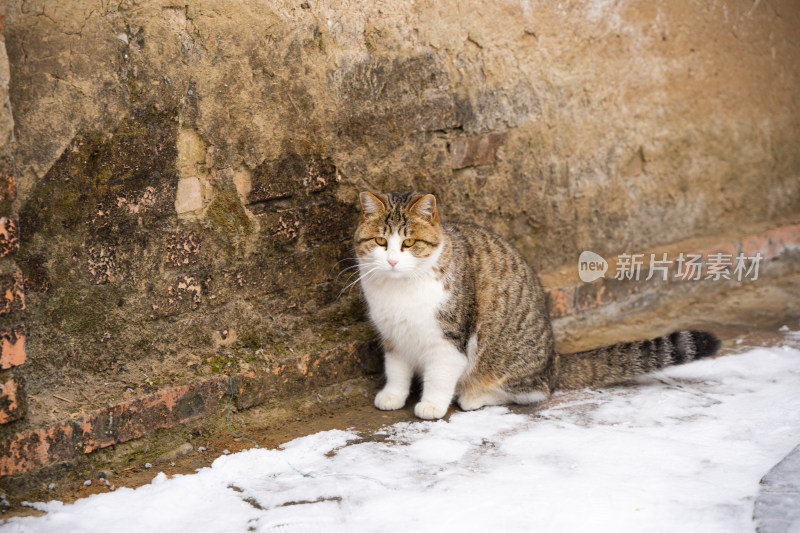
<point>404,301</point>
<point>404,310</point>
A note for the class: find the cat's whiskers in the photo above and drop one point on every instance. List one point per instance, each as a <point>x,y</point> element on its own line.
<point>360,278</point>
<point>346,269</point>
<point>355,273</point>
<point>355,264</point>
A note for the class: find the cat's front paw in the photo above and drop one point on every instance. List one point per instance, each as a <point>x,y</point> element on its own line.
<point>429,411</point>
<point>387,401</point>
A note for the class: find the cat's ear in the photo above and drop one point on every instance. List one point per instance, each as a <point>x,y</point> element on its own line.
<point>371,204</point>
<point>425,206</point>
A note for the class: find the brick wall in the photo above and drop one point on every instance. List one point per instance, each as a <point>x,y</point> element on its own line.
<point>12,299</point>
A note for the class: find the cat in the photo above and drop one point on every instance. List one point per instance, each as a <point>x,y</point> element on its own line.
<point>459,306</point>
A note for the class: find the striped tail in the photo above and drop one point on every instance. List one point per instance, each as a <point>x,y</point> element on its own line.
<point>622,362</point>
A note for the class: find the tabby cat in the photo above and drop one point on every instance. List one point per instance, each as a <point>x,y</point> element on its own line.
<point>459,306</point>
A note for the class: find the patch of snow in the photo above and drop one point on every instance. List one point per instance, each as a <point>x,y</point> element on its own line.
<point>680,450</point>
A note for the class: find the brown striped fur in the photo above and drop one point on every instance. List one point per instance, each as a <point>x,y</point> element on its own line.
<point>495,297</point>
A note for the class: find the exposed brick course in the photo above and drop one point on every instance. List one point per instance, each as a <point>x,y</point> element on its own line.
<point>9,235</point>
<point>11,293</point>
<point>12,398</point>
<point>36,448</point>
<point>170,407</point>
<point>772,243</point>
<point>561,301</point>
<point>162,409</point>
<point>12,347</point>
<point>306,372</point>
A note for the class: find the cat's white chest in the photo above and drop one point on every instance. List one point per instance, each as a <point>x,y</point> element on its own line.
<point>405,310</point>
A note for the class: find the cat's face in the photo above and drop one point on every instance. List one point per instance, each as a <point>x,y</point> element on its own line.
<point>399,233</point>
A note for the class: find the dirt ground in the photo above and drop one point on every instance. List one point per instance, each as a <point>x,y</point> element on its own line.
<point>743,316</point>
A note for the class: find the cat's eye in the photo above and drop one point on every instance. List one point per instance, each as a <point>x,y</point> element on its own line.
<point>408,243</point>
<point>380,241</point>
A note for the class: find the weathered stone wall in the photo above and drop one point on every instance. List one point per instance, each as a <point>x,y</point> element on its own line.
<point>188,174</point>
<point>13,404</point>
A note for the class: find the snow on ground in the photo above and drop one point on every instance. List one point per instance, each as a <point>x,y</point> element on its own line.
<point>682,450</point>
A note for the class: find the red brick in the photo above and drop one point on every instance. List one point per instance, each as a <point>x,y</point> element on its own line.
<point>36,448</point>
<point>11,293</point>
<point>9,235</point>
<point>472,151</point>
<point>591,295</point>
<point>111,425</point>
<point>8,183</point>
<point>12,347</point>
<point>12,398</point>
<point>772,243</point>
<point>561,302</point>
<point>63,442</point>
<point>162,409</point>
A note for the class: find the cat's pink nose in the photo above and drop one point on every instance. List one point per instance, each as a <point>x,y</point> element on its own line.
<point>392,261</point>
